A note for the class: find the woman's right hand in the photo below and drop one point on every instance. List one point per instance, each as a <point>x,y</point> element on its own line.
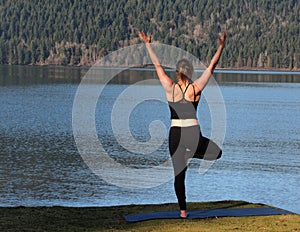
<point>144,37</point>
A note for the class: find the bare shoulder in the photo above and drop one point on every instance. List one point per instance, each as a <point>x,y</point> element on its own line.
<point>169,90</point>
<point>201,82</point>
<point>196,88</point>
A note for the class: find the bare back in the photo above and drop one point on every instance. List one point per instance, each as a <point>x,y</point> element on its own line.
<point>183,92</point>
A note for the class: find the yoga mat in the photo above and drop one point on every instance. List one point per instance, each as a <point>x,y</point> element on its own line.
<point>211,213</point>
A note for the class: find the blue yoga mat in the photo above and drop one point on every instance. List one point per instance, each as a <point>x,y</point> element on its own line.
<point>211,213</point>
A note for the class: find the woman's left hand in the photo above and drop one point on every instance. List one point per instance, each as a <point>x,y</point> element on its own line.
<point>222,39</point>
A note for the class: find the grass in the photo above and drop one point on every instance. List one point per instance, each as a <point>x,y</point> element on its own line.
<point>111,219</point>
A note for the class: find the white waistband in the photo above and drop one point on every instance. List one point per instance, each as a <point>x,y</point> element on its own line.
<point>184,122</point>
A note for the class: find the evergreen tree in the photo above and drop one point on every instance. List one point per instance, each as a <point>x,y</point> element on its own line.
<point>260,33</point>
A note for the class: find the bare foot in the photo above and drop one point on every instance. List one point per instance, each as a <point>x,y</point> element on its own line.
<point>183,214</point>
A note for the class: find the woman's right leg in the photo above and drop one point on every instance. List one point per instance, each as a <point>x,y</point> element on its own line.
<point>207,149</point>
<point>200,146</point>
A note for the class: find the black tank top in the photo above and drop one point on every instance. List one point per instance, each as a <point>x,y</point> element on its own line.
<point>183,109</point>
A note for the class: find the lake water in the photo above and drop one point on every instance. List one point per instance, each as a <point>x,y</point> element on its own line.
<point>40,164</point>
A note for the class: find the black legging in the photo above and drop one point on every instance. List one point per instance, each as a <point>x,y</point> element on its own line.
<point>181,139</point>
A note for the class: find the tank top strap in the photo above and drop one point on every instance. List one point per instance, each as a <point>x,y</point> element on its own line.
<point>194,93</point>
<point>185,89</point>
<point>183,92</point>
<point>173,91</point>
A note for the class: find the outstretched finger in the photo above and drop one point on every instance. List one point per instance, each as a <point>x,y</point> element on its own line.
<point>144,37</point>
<point>222,38</point>
<point>141,34</point>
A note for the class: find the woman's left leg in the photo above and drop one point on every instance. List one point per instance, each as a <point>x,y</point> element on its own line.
<point>177,152</point>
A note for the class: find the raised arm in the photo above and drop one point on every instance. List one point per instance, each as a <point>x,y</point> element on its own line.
<point>201,82</point>
<point>166,82</point>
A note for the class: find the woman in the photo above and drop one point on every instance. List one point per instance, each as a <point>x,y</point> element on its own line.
<point>185,138</point>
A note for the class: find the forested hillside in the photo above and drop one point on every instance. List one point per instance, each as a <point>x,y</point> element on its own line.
<point>261,34</point>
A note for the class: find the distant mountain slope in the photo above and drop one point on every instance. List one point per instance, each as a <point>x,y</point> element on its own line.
<point>262,34</point>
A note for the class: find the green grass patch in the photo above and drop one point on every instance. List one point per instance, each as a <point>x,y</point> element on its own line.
<point>111,219</point>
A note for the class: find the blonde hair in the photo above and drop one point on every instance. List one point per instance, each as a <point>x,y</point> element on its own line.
<point>184,69</point>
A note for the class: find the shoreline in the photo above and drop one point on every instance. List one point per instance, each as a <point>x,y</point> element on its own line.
<point>151,68</point>
<point>243,69</point>
<point>59,218</point>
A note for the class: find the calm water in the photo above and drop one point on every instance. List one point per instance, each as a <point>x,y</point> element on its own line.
<point>40,164</point>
